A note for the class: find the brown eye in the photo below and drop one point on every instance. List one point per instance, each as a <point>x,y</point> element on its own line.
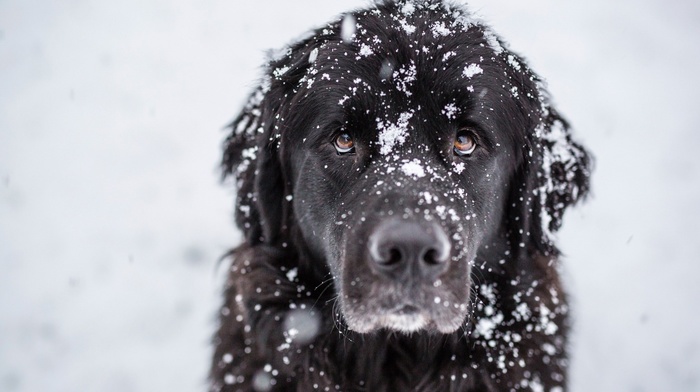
<point>344,144</point>
<point>465,143</point>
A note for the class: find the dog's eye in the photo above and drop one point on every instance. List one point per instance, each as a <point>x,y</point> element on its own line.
<point>465,143</point>
<point>344,144</point>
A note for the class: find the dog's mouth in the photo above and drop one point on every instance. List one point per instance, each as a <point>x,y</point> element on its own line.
<point>406,319</point>
<point>406,310</point>
<point>406,313</point>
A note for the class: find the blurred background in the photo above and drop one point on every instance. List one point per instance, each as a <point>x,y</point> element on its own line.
<point>112,218</point>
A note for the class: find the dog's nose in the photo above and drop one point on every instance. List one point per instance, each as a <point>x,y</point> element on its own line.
<point>398,248</point>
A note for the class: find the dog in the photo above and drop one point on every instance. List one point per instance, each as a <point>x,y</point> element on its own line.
<point>401,175</point>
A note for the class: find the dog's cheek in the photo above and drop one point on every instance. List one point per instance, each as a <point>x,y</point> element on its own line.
<point>485,206</point>
<point>313,211</point>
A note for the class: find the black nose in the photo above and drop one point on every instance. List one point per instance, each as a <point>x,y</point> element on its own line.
<point>401,249</point>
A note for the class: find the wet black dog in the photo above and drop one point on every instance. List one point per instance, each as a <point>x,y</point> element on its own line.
<point>400,175</point>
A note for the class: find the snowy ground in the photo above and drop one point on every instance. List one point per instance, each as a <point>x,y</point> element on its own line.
<point>112,220</point>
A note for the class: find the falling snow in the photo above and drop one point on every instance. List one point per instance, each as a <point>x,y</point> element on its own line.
<point>196,320</point>
<point>348,28</point>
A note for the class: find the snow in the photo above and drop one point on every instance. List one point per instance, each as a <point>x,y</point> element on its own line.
<point>112,219</point>
<point>393,134</point>
<point>365,50</point>
<point>447,55</point>
<point>409,28</point>
<point>450,111</point>
<point>313,55</point>
<point>439,29</point>
<point>348,28</point>
<point>471,70</point>
<point>408,8</point>
<point>404,78</point>
<point>413,169</point>
<point>292,274</point>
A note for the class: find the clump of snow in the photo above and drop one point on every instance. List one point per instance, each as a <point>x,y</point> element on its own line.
<point>513,62</point>
<point>280,71</point>
<point>514,91</point>
<point>413,169</point>
<point>250,152</point>
<point>393,134</point>
<point>292,274</point>
<point>492,40</point>
<point>471,70</point>
<point>409,28</point>
<point>450,111</point>
<point>408,8</point>
<point>365,50</point>
<point>439,29</point>
<point>313,55</point>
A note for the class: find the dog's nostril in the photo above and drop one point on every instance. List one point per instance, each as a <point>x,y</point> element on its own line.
<point>394,257</point>
<point>431,257</point>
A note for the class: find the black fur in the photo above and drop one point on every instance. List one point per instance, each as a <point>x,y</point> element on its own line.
<point>305,306</point>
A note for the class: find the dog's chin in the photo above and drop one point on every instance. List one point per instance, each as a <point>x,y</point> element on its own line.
<point>402,322</point>
<point>405,323</point>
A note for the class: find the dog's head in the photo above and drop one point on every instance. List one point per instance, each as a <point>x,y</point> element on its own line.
<point>393,148</point>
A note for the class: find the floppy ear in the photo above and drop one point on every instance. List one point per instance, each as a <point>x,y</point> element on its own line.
<point>251,151</point>
<point>556,172</point>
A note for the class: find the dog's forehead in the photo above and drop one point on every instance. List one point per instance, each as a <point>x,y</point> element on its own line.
<point>404,76</point>
<point>401,65</point>
<point>400,45</point>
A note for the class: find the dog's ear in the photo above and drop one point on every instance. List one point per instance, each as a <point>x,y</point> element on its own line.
<point>252,149</point>
<point>554,175</point>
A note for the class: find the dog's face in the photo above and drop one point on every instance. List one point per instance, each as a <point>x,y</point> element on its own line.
<point>398,201</point>
<point>402,140</point>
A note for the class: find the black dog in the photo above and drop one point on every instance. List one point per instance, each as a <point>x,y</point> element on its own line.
<point>400,175</point>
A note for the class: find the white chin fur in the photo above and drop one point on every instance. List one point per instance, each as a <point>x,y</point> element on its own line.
<point>403,322</point>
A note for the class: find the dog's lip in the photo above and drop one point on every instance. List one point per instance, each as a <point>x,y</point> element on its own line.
<point>406,309</point>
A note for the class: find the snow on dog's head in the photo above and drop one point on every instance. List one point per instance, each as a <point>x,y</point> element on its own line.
<point>367,115</point>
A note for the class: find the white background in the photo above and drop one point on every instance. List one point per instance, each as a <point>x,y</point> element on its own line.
<point>112,218</point>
